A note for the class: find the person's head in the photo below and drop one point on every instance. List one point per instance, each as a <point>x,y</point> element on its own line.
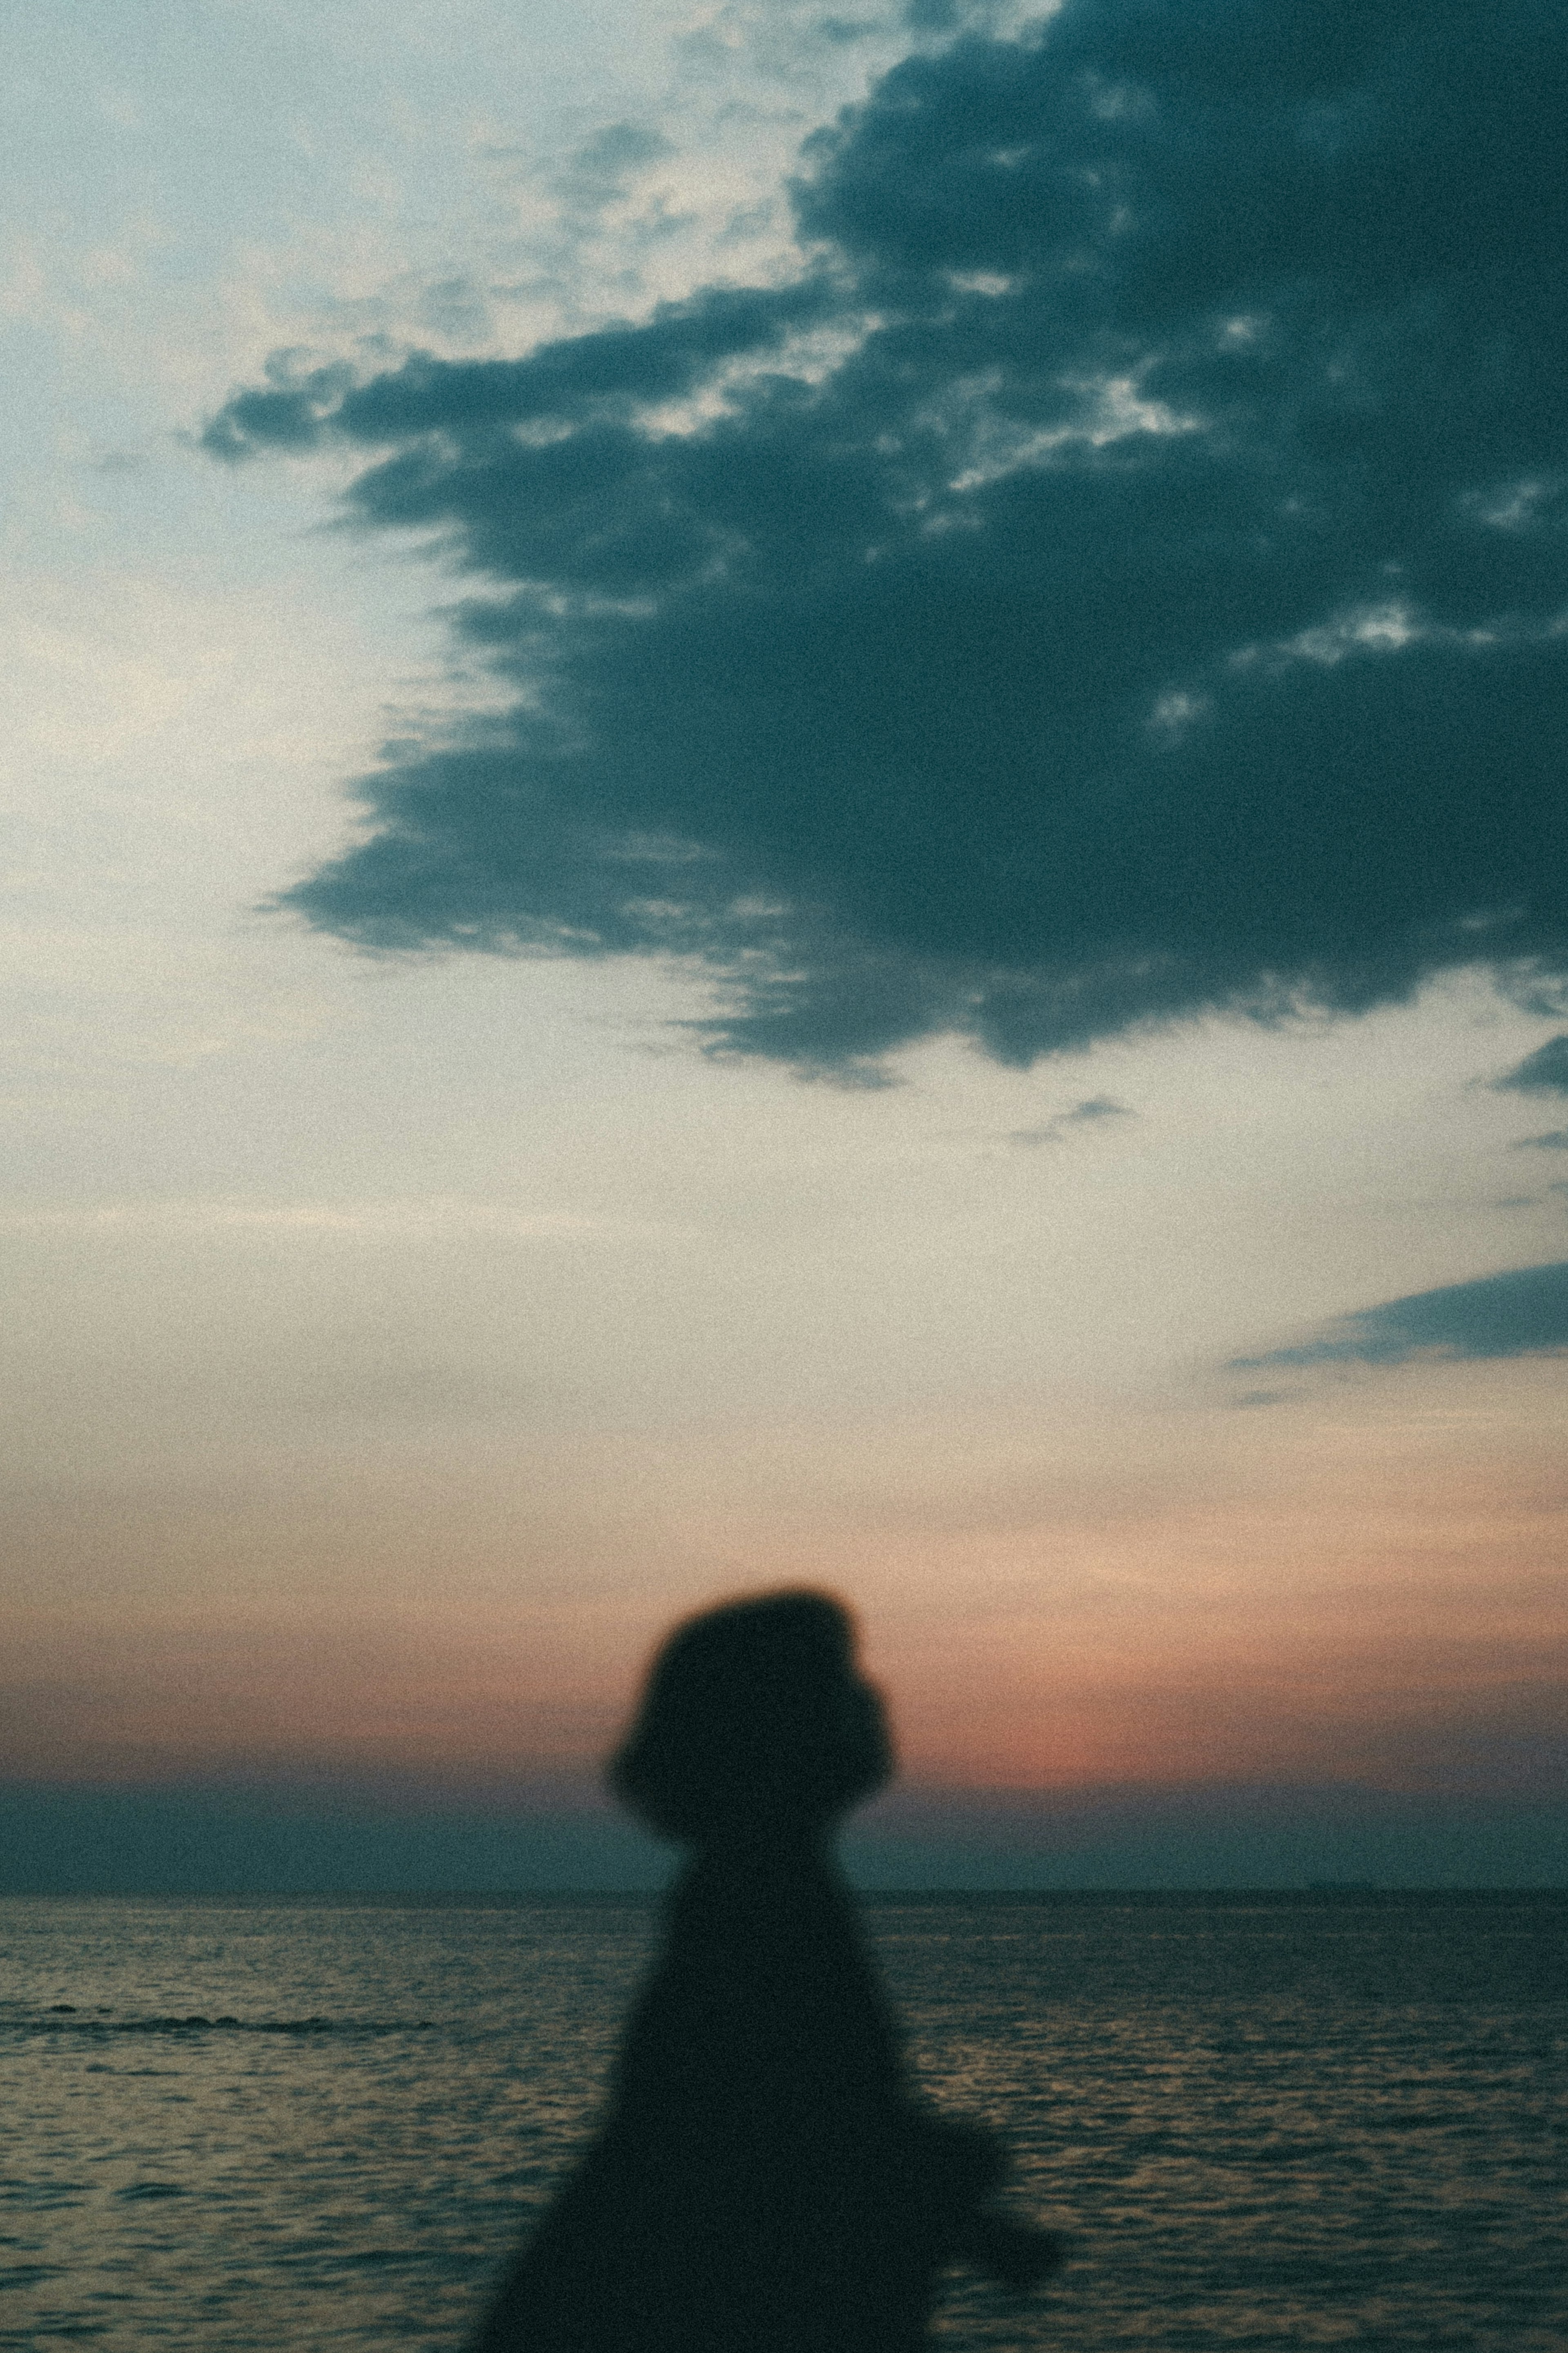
<point>754,1723</point>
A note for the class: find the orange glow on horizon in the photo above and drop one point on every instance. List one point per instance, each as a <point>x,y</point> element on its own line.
<point>1284,1600</point>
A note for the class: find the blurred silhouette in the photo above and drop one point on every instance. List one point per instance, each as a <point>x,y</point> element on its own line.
<point>764,2181</point>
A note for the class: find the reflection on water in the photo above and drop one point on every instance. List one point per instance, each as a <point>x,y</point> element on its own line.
<point>1280,2124</point>
<point>1267,2122</point>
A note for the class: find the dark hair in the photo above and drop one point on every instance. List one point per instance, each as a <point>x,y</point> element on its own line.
<point>754,1718</point>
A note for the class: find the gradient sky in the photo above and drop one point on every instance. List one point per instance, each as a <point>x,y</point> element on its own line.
<point>786,802</point>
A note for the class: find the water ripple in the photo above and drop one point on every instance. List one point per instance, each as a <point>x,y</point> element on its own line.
<point>1270,2124</point>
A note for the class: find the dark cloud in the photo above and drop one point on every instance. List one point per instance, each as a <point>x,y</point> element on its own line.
<point>1543,1072</point>
<point>1554,1140</point>
<point>1119,578</point>
<point>1521,1313</point>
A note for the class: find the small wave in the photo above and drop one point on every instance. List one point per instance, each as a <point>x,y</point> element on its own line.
<point>197,2022</point>
<point>150,2190</point>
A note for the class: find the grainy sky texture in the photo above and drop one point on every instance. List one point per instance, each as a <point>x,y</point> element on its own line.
<point>788,804</point>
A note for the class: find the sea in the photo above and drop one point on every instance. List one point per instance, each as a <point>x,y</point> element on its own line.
<point>1331,2118</point>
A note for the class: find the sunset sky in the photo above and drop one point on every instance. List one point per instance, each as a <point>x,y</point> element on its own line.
<point>784,802</point>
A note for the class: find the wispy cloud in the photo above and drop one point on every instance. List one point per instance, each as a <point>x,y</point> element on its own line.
<point>1120,575</point>
<point>1084,1114</point>
<point>1521,1313</point>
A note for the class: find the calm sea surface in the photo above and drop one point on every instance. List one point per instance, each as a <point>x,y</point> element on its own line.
<point>1275,2122</point>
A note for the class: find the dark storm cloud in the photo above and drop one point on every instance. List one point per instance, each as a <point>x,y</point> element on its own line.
<point>1521,1313</point>
<point>1543,1072</point>
<point>1121,577</point>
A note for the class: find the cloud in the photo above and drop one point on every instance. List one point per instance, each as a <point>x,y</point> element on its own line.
<point>1520,1313</point>
<point>1124,576</point>
<point>605,167</point>
<point>1554,1140</point>
<point>1543,1072</point>
<point>1097,1108</point>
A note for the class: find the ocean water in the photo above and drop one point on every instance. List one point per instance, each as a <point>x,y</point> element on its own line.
<point>1270,2121</point>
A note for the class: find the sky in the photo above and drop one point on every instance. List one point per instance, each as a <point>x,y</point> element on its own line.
<point>785,804</point>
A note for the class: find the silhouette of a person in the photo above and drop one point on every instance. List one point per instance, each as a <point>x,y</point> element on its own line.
<point>764,2180</point>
